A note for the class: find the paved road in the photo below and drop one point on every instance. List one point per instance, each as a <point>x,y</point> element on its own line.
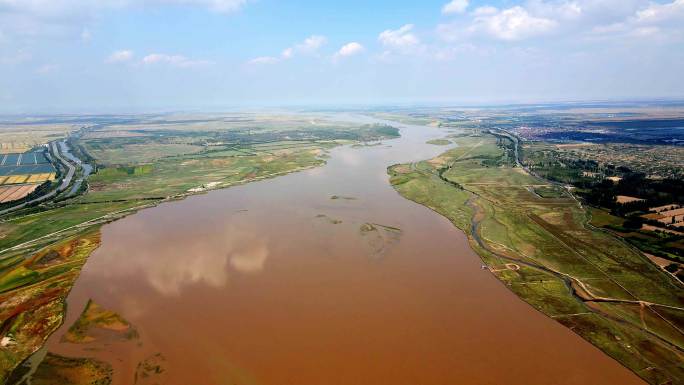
<point>71,168</point>
<point>87,169</point>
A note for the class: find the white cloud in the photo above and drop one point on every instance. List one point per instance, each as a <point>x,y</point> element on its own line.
<point>54,8</point>
<point>646,31</point>
<point>585,19</point>
<point>309,46</point>
<point>47,68</point>
<point>173,60</point>
<point>349,49</point>
<point>654,21</point>
<point>127,56</point>
<point>486,10</point>
<point>612,18</point>
<point>455,6</point>
<point>120,56</point>
<point>559,10</point>
<point>400,39</point>
<point>56,18</point>
<point>264,60</point>
<point>287,53</point>
<point>661,12</point>
<point>512,24</point>
<point>224,6</point>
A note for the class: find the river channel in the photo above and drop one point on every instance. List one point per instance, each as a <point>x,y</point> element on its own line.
<point>275,283</point>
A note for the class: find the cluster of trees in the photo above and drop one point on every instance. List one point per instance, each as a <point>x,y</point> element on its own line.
<point>79,151</point>
<point>653,193</point>
<point>556,167</point>
<point>508,158</point>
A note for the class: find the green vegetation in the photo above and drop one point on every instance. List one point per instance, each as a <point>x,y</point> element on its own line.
<point>16,278</point>
<point>56,369</point>
<point>657,161</point>
<point>152,141</point>
<point>95,317</point>
<point>550,192</point>
<point>602,218</point>
<point>627,194</point>
<point>114,153</point>
<point>178,176</point>
<point>537,240</point>
<point>439,142</point>
<point>649,240</point>
<point>31,308</point>
<point>24,228</point>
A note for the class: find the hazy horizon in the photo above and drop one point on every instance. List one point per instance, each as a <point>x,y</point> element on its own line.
<point>331,107</point>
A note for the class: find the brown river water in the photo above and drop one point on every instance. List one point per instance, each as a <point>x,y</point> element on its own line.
<point>249,285</point>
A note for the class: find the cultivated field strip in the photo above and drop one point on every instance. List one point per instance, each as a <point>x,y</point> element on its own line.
<point>12,193</point>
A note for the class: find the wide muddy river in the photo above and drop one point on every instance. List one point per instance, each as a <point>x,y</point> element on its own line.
<point>275,283</point>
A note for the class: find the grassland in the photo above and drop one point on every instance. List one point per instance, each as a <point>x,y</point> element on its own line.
<point>439,142</point>
<point>179,175</point>
<point>140,163</point>
<point>536,239</point>
<point>138,152</point>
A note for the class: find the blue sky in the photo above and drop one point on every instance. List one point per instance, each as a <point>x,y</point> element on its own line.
<point>137,55</point>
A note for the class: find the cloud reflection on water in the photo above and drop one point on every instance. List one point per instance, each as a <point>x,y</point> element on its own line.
<point>250,261</point>
<point>170,263</point>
